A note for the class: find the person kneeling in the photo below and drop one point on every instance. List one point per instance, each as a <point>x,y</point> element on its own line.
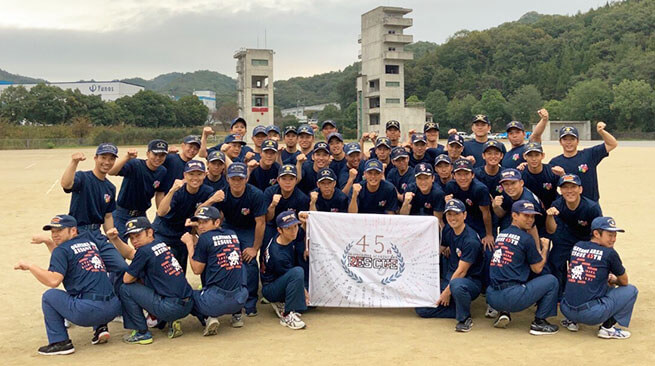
<point>165,292</point>
<point>516,253</point>
<point>593,265</point>
<point>282,275</point>
<point>217,259</point>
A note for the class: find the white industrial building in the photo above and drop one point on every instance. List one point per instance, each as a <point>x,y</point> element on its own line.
<point>208,98</point>
<point>301,112</point>
<point>107,90</point>
<point>255,85</point>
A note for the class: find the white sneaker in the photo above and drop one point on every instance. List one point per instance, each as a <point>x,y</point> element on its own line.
<point>293,321</point>
<point>236,321</point>
<point>613,333</point>
<point>570,325</point>
<point>491,312</point>
<point>211,326</point>
<point>67,323</point>
<point>279,309</point>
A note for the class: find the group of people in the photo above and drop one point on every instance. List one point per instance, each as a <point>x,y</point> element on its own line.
<point>238,219</point>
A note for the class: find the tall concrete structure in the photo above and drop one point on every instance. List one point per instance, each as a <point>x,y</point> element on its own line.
<point>381,85</point>
<point>255,86</point>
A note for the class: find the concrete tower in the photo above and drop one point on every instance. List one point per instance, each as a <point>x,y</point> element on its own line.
<point>255,86</point>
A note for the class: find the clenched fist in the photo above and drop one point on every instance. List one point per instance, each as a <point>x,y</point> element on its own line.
<point>498,201</point>
<point>357,188</point>
<point>131,153</point>
<point>276,199</point>
<point>543,113</point>
<point>313,196</point>
<point>207,131</point>
<point>552,211</point>
<point>77,157</point>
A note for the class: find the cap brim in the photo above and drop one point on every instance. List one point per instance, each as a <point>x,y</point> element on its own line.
<point>530,150</point>
<point>454,210</point>
<point>385,145</point>
<point>287,224</point>
<point>376,169</point>
<point>400,156</point>
<point>269,148</point>
<point>234,175</point>
<point>135,230</point>
<point>529,212</point>
<point>613,229</point>
<point>157,151</point>
<point>423,173</point>
<point>194,170</point>
<point>352,151</point>
<point>419,140</point>
<point>217,158</point>
<point>324,178</point>
<point>568,134</point>
<point>288,173</point>
<point>322,149</point>
<point>50,226</point>
<point>201,217</point>
<point>509,179</point>
<point>458,169</point>
<point>106,152</point>
<point>456,142</point>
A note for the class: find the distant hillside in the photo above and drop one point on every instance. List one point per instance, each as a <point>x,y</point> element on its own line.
<point>6,76</point>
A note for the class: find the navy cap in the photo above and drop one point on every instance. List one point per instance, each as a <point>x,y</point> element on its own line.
<point>192,139</point>
<point>514,124</point>
<point>306,129</point>
<point>61,221</point>
<point>399,152</point>
<point>569,131</point>
<point>351,147</point>
<point>137,224</point>
<point>605,223</point>
<point>259,129</point>
<point>216,155</point>
<point>462,164</point>
<point>423,169</point>
<point>290,129</point>
<point>383,141</point>
<point>442,158</point>
<point>234,138</point>
<point>393,124</point>
<point>510,174</point>
<point>492,143</point>
<point>321,146</point>
<point>373,164</point>
<point>286,219</point>
<point>273,128</point>
<point>237,169</point>
<point>533,146</point>
<point>569,178</point>
<point>454,205</point>
<point>455,139</point>
<point>269,144</point>
<point>207,213</point>
<point>107,149</point>
<point>480,118</point>
<point>418,137</point>
<point>194,166</point>
<point>287,169</point>
<point>328,122</point>
<point>430,126</point>
<point>326,173</point>
<point>158,146</point>
<point>238,119</point>
<point>525,206</point>
<point>336,135</point>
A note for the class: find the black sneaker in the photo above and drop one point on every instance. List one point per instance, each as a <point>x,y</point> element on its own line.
<point>503,320</point>
<point>543,327</point>
<point>464,326</point>
<point>101,335</point>
<point>58,348</point>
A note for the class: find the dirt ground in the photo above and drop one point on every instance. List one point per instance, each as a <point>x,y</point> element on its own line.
<point>31,195</point>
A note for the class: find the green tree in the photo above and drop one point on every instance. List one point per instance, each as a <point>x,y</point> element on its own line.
<point>493,104</point>
<point>459,112</point>
<point>589,100</point>
<point>437,103</point>
<point>555,110</point>
<point>190,111</point>
<point>148,109</point>
<point>524,103</point>
<point>329,112</point>
<point>634,103</point>
<point>49,106</point>
<point>226,113</point>
<point>15,104</point>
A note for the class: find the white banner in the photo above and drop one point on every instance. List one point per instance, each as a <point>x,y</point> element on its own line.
<point>373,261</point>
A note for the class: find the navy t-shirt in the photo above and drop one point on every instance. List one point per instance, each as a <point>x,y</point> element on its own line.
<point>589,268</point>
<point>514,252</point>
<point>309,177</point>
<point>218,185</point>
<point>401,182</point>
<point>156,265</point>
<point>574,226</point>
<point>79,261</point>
<point>427,158</point>
<point>338,166</point>
<point>378,202</point>
<point>298,201</point>
<point>342,177</point>
<point>426,204</point>
<point>539,220</point>
<point>263,179</point>
<point>279,259</point>
<point>139,185</point>
<point>543,184</point>
<point>513,158</point>
<point>477,195</point>
<point>436,151</point>
<point>584,164</point>
<point>474,148</point>
<point>240,212</point>
<point>491,181</point>
<point>289,158</point>
<point>466,247</point>
<point>242,155</point>
<point>91,199</point>
<point>338,202</point>
<point>183,206</point>
<point>220,252</point>
<point>174,170</point>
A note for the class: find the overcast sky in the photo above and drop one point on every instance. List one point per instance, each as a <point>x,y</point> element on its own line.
<point>69,40</point>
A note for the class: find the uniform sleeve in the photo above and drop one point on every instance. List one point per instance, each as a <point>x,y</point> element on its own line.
<point>137,268</point>
<point>482,195</point>
<point>343,202</point>
<point>161,175</point>
<point>616,265</point>
<point>470,251</point>
<point>450,187</point>
<point>532,254</point>
<point>112,203</point>
<point>128,168</point>
<point>268,195</point>
<point>78,182</point>
<point>392,200</point>
<point>58,261</point>
<point>303,202</point>
<point>439,203</point>
<point>278,262</point>
<point>200,252</point>
<point>342,178</point>
<point>253,177</point>
<point>598,153</point>
<point>257,201</point>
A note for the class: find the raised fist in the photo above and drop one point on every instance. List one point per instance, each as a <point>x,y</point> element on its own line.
<point>249,155</point>
<point>498,201</point>
<point>356,188</point>
<point>224,147</point>
<point>218,196</point>
<point>207,131</point>
<point>177,184</point>
<point>452,131</point>
<point>522,166</point>
<point>448,197</point>
<point>409,196</point>
<point>600,127</point>
<point>276,199</point>
<point>373,136</point>
<point>301,158</point>
<point>552,211</point>
<point>352,173</point>
<point>131,153</point>
<point>543,113</point>
<point>558,170</point>
<point>172,149</point>
<point>411,132</point>
<point>112,233</point>
<point>313,196</point>
<point>77,157</point>
<point>252,164</point>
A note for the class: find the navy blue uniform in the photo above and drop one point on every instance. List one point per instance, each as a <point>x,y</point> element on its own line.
<point>474,148</point>
<point>513,157</point>
<point>309,177</point>
<point>584,164</point>
<point>426,204</point>
<point>540,220</point>
<point>465,247</point>
<point>342,178</point>
<point>264,178</point>
<point>298,201</point>
<point>491,181</point>
<point>91,199</point>
<point>218,185</point>
<point>242,155</point>
<point>543,184</point>
<point>401,182</point>
<point>436,151</point>
<point>289,158</point>
<point>338,166</point>
<point>426,158</point>
<point>282,275</point>
<point>477,195</point>
<point>381,201</point>
<point>338,202</point>
<point>174,170</point>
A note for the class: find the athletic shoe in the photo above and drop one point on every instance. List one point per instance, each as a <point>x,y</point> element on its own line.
<point>292,320</point>
<point>101,335</point>
<point>175,330</point>
<point>491,312</point>
<point>464,326</point>
<point>503,320</point>
<point>543,327</point>
<point>265,301</point>
<point>58,348</point>
<point>138,338</point>
<point>613,333</point>
<point>151,321</point>
<point>212,326</point>
<point>279,309</point>
<point>251,314</point>
<point>236,321</point>
<point>570,325</point>
<point>67,323</point>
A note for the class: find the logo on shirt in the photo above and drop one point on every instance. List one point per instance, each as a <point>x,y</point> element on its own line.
<point>176,264</point>
<point>582,223</point>
<point>515,157</point>
<point>547,186</point>
<point>498,254</point>
<point>459,252</point>
<point>469,202</point>
<point>403,186</point>
<point>245,211</point>
<point>156,184</point>
<point>382,203</point>
<point>234,258</point>
<point>576,272</point>
<point>582,168</point>
<point>427,205</point>
<point>107,198</point>
<point>499,188</point>
<point>334,210</point>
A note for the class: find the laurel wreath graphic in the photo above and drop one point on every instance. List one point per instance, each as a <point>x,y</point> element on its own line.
<point>401,267</point>
<point>344,265</point>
